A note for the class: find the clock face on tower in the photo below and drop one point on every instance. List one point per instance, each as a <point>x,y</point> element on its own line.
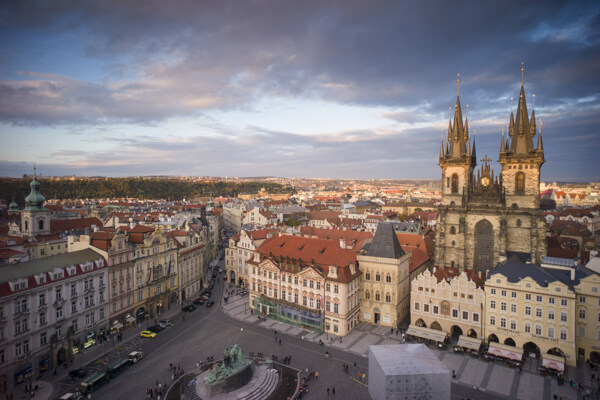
<point>485,181</point>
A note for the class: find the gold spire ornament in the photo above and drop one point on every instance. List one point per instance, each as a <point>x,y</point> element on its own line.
<point>458,85</point>
<point>533,107</point>
<point>522,71</point>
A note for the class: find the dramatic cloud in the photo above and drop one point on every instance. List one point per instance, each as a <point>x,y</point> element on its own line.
<point>192,68</point>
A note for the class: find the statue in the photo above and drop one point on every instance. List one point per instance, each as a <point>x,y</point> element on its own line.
<point>233,362</point>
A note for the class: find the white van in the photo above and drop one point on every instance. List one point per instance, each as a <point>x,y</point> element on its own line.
<point>135,356</point>
<point>71,396</point>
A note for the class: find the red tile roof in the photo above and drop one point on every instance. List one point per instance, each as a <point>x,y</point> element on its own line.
<point>68,225</point>
<point>354,239</point>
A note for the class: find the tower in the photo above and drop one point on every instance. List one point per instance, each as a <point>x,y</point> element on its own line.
<point>35,219</point>
<point>457,160</point>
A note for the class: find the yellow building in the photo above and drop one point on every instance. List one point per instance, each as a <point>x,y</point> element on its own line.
<point>587,314</point>
<point>532,308</point>
<point>385,283</point>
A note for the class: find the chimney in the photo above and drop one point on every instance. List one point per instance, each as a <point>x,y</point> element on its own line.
<point>573,274</point>
<point>132,225</point>
<point>480,274</point>
<point>343,243</point>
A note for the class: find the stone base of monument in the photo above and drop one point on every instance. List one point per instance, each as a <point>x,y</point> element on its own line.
<point>263,382</point>
<point>232,382</point>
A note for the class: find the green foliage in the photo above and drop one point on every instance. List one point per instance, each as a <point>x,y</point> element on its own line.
<point>292,222</point>
<point>169,189</point>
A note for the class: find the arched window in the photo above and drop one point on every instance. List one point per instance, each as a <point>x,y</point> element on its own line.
<point>452,230</point>
<point>367,295</point>
<point>26,225</point>
<point>41,224</point>
<point>377,296</point>
<point>367,276</point>
<point>388,298</point>
<point>388,278</point>
<point>454,183</point>
<point>378,277</point>
<point>448,182</point>
<point>520,182</point>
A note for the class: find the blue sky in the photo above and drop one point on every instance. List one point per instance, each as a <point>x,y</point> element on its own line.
<point>342,89</point>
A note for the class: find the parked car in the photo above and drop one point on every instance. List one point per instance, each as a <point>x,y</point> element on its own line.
<point>189,308</point>
<point>77,373</point>
<point>164,323</point>
<point>148,334</point>
<point>155,328</point>
<point>210,303</point>
<point>135,356</point>
<point>199,301</point>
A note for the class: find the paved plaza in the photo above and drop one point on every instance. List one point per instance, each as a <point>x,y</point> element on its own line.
<point>490,379</point>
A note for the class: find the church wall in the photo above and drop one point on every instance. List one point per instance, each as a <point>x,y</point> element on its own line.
<point>494,217</point>
<point>463,173</point>
<point>530,197</point>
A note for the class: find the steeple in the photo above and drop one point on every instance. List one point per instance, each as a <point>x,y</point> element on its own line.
<point>474,153</point>
<point>502,142</point>
<point>520,130</point>
<point>540,145</point>
<point>442,145</point>
<point>457,136</point>
<point>35,200</point>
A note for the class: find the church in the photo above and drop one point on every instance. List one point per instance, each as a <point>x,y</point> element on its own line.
<point>486,217</point>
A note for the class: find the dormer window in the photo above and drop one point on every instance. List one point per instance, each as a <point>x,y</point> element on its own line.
<point>332,271</point>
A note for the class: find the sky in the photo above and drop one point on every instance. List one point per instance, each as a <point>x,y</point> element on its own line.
<point>330,89</point>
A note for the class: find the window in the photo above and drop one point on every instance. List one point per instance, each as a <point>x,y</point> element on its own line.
<point>436,310</point>
<point>318,285</point>
<point>528,296</point>
<point>388,298</point>
<point>551,300</point>
<point>452,230</point>
<point>367,276</point>
<point>367,295</point>
<point>563,334</point>
<point>465,315</point>
<point>283,294</point>
<point>513,324</point>
<point>295,280</point>
<point>502,322</point>
<point>513,308</point>
<point>73,307</point>
<point>454,183</point>
<point>42,299</point>
<point>58,292</point>
<point>336,289</point>
<point>388,278</point>
<point>59,313</point>
<point>551,332</point>
<point>311,303</point>
<point>520,182</point>
<point>581,332</point>
<point>493,304</point>
<point>454,313</point>
<point>513,295</point>
<point>492,291</point>
<point>492,320</point>
<point>503,306</point>
<point>43,319</point>
<point>416,306</point>
<point>328,287</point>
<point>527,327</point>
<point>475,317</point>
<point>304,282</point>
<point>527,310</point>
<point>551,314</point>
<point>296,298</point>
<point>377,296</point>
<point>377,277</point>
<point>327,306</point>
<point>581,313</point>
<point>582,299</point>
<point>538,312</point>
<point>539,299</point>
<point>503,293</point>
<point>336,308</point>
<point>538,330</point>
<point>563,316</point>
<point>425,307</point>
<point>563,302</point>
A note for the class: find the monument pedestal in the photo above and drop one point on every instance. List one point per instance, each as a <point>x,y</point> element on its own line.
<point>232,382</point>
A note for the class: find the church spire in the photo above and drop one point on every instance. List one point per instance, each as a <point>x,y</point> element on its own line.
<point>442,145</point>
<point>474,153</point>
<point>540,146</point>
<point>522,135</point>
<point>35,200</point>
<point>502,142</point>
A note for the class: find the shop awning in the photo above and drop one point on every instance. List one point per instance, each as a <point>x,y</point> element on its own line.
<point>469,342</point>
<point>118,325</point>
<point>426,333</point>
<point>502,350</point>
<point>130,320</point>
<point>556,363</point>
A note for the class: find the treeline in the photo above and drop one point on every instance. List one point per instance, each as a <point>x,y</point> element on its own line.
<point>153,189</point>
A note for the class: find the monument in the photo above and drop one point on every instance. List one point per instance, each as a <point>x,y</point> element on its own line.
<point>231,374</point>
<point>407,371</point>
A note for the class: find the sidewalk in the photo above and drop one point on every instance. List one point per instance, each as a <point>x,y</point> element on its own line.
<point>49,381</point>
<point>494,378</point>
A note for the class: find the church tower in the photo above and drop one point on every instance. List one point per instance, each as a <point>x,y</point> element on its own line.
<point>35,219</point>
<point>457,160</point>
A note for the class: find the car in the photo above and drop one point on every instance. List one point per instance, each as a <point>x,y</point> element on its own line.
<point>189,308</point>
<point>135,356</point>
<point>155,328</point>
<point>71,396</point>
<point>77,373</point>
<point>199,301</point>
<point>164,323</point>
<point>148,334</point>
<point>210,303</point>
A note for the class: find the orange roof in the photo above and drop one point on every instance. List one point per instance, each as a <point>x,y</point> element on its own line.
<point>449,273</point>
<point>67,225</point>
<point>354,239</point>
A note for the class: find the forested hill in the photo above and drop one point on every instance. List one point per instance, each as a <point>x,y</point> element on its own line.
<point>169,189</point>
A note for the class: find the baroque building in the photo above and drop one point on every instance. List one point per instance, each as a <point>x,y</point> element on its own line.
<point>485,218</point>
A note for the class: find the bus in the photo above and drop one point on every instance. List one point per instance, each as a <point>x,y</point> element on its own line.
<point>94,382</point>
<point>117,367</point>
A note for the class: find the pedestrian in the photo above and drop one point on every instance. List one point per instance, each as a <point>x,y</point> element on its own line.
<point>354,364</point>
<point>317,374</point>
<point>280,342</point>
<point>333,391</point>
<point>392,332</point>
<point>327,391</point>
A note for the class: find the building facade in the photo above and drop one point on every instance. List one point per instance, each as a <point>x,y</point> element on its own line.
<point>306,282</point>
<point>50,309</point>
<point>484,217</point>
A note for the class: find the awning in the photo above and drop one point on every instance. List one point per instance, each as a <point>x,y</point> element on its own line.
<point>23,371</point>
<point>130,320</point>
<point>469,342</point>
<point>555,362</point>
<point>426,333</point>
<point>502,350</point>
<point>118,325</point>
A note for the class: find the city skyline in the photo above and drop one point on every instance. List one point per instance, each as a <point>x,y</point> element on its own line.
<point>343,90</point>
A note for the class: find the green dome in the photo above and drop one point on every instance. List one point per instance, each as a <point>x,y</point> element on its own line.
<point>35,200</point>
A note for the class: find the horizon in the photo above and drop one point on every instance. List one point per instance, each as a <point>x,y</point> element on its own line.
<point>336,91</point>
